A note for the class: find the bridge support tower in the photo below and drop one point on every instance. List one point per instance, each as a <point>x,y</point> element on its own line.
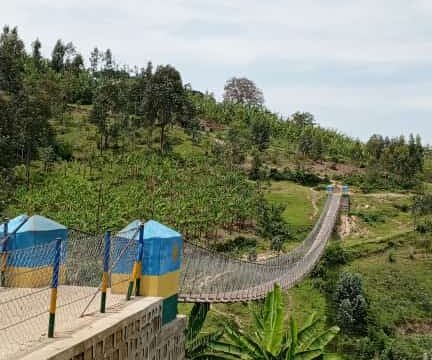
<point>346,200</point>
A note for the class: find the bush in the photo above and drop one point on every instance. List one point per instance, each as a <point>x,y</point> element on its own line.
<point>424,225</point>
<point>237,244</point>
<point>270,222</point>
<point>370,217</point>
<point>335,255</point>
<point>276,243</point>
<point>412,348</point>
<point>351,304</point>
<point>64,150</point>
<point>301,177</point>
<point>404,207</point>
<point>392,255</point>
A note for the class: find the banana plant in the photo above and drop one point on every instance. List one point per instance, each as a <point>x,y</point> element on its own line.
<point>198,344</point>
<point>270,341</point>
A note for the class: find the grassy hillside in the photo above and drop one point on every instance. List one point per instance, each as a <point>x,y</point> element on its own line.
<point>395,265</point>
<point>214,202</point>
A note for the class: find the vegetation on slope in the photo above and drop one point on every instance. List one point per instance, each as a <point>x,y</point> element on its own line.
<point>97,147</point>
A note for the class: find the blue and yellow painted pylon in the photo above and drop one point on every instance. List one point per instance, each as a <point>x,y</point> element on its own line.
<point>54,286</point>
<point>159,269</point>
<point>26,254</point>
<point>105,274</point>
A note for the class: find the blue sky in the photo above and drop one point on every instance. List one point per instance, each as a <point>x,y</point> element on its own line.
<point>360,66</point>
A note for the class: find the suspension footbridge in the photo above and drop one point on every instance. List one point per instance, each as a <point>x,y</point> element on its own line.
<point>214,278</point>
<point>200,275</point>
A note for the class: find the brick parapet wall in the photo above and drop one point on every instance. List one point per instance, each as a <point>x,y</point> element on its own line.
<point>134,333</point>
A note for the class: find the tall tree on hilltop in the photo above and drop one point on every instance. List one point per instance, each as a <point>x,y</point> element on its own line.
<point>62,55</point>
<point>33,114</point>
<point>108,105</point>
<point>243,91</point>
<point>302,119</point>
<point>375,147</point>
<point>261,132</point>
<point>25,104</point>
<point>166,99</point>
<point>94,60</point>
<point>77,63</point>
<point>108,60</point>
<point>36,53</point>
<point>12,57</point>
<point>57,56</point>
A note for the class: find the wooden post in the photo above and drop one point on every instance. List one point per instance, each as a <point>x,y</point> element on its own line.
<point>54,286</point>
<point>106,261</point>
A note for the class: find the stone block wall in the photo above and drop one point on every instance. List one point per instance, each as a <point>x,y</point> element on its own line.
<point>134,333</point>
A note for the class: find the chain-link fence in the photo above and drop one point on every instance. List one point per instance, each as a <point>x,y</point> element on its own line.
<point>26,285</point>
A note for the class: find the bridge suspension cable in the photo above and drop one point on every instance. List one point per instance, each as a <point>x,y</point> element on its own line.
<point>208,276</point>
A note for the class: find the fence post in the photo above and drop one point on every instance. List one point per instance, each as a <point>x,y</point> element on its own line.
<point>139,260</point>
<point>136,267</point>
<point>54,285</point>
<point>106,261</point>
<point>4,253</point>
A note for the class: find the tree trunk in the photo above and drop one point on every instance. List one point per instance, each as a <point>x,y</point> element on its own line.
<point>162,139</point>
<point>27,166</point>
<point>150,136</point>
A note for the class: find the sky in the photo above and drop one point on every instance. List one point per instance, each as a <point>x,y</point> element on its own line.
<point>362,66</point>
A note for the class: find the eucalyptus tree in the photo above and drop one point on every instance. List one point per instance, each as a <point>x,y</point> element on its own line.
<point>165,99</point>
<point>36,53</point>
<point>109,108</point>
<point>25,105</point>
<point>61,55</point>
<point>12,60</point>
<point>261,132</point>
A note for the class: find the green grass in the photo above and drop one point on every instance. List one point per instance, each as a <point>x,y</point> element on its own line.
<point>300,301</point>
<point>379,215</point>
<point>398,291</point>
<point>299,211</point>
<point>74,129</point>
<point>305,299</point>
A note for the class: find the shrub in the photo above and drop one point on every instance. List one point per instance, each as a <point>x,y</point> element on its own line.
<point>301,177</point>
<point>239,243</point>
<point>351,304</point>
<point>276,243</point>
<point>392,255</point>
<point>64,150</point>
<point>403,207</point>
<point>335,255</point>
<point>270,221</point>
<point>424,225</point>
<point>370,217</point>
<point>412,348</point>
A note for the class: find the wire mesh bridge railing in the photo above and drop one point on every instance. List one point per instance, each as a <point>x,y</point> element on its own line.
<point>25,290</point>
<point>206,276</point>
